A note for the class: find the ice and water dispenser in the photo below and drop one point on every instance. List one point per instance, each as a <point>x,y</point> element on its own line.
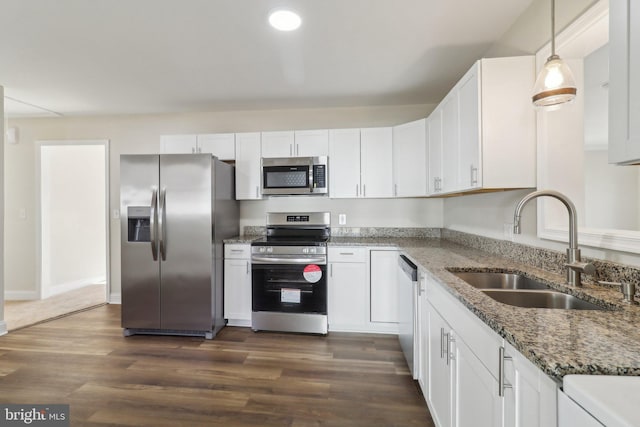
<point>139,223</point>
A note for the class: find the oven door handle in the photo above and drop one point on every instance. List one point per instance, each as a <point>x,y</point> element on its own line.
<point>285,260</point>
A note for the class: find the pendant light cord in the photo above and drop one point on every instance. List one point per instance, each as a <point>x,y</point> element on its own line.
<point>553,28</point>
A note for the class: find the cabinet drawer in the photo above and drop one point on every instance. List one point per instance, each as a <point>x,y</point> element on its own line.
<point>239,251</point>
<point>347,254</point>
<point>481,339</point>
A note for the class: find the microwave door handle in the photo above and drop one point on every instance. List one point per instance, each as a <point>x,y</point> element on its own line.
<point>311,177</point>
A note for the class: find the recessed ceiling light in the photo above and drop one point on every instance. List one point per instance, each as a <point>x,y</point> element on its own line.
<point>284,20</point>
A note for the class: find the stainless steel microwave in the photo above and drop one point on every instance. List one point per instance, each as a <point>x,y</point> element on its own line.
<point>295,175</point>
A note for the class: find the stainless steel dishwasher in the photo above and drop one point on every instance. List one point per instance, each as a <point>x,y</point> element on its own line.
<point>407,307</point>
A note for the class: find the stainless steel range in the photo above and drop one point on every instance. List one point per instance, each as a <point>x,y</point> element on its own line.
<point>289,273</point>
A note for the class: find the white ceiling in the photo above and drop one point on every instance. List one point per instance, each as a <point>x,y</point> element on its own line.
<point>86,57</point>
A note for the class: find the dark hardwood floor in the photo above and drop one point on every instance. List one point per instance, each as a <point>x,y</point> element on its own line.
<point>241,378</point>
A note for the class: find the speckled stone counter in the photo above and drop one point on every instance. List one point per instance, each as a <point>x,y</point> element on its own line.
<point>560,342</point>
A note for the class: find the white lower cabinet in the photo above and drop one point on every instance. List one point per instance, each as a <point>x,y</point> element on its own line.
<point>347,289</point>
<point>237,284</point>
<point>441,370</point>
<point>570,414</point>
<point>530,395</point>
<point>476,378</point>
<point>384,289</point>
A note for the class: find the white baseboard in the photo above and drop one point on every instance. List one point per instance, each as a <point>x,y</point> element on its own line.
<point>21,295</point>
<point>3,327</point>
<point>115,298</point>
<point>70,286</point>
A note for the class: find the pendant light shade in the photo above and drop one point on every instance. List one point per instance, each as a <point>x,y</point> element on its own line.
<point>555,84</point>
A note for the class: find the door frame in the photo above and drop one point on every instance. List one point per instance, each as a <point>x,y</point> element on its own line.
<point>39,145</point>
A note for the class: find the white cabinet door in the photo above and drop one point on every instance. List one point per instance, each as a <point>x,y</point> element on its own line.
<point>469,115</point>
<point>278,144</point>
<point>221,145</point>
<point>384,286</point>
<point>376,163</point>
<point>344,163</point>
<point>237,292</point>
<point>435,151</point>
<point>410,159</point>
<point>624,82</point>
<point>311,143</point>
<point>530,396</point>
<point>450,143</point>
<point>178,144</point>
<point>440,369</point>
<point>570,414</point>
<point>347,302</point>
<point>477,402</point>
<point>248,166</point>
<point>423,335</point>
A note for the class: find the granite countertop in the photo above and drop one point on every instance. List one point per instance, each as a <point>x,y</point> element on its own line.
<point>560,342</point>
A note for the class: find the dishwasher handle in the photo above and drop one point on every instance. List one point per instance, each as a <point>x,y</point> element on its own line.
<point>408,267</point>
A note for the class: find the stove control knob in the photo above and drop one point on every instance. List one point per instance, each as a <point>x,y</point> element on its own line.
<point>269,249</point>
<point>305,250</point>
<point>262,250</point>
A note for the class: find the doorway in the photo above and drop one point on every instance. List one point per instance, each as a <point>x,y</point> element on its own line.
<point>72,221</point>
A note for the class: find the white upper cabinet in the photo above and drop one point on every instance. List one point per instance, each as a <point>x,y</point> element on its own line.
<point>410,159</point>
<point>178,144</point>
<point>488,128</point>
<point>311,143</point>
<point>344,163</point>
<point>624,82</point>
<point>248,166</point>
<point>221,145</point>
<point>278,144</point>
<point>305,143</point>
<point>469,128</point>
<point>434,144</point>
<point>376,151</point>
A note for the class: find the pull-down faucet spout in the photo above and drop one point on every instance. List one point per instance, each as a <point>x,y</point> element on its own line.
<point>574,265</point>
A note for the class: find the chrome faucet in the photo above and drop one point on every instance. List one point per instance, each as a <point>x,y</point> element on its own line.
<point>574,265</point>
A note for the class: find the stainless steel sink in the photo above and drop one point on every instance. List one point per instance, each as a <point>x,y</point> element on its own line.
<point>521,291</point>
<point>541,299</point>
<point>489,280</point>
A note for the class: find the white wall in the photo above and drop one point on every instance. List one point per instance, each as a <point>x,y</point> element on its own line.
<point>3,325</point>
<point>141,134</point>
<point>72,184</point>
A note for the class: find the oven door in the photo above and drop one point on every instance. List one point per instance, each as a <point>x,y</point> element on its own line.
<point>289,288</point>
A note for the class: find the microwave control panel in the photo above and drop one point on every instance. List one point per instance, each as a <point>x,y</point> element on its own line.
<point>319,176</point>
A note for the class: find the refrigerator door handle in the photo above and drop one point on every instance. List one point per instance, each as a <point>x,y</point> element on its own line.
<point>152,223</point>
<point>162,226</point>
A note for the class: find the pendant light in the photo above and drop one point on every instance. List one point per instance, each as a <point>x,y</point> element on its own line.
<point>555,84</point>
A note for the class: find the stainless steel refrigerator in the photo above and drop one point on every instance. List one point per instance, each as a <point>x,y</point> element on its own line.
<point>175,211</point>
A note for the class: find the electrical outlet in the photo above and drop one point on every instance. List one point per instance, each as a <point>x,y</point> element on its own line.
<point>342,219</point>
<point>116,214</point>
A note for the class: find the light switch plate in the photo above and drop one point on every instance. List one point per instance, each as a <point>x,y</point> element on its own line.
<point>342,219</point>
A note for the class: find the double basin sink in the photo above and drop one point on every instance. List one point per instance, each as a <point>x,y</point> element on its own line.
<point>522,291</point>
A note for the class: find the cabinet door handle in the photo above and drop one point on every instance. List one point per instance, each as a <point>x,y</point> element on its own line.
<point>474,175</point>
<point>193,150</point>
<point>364,190</point>
<point>346,253</point>
<point>501,381</point>
<point>257,192</point>
<point>331,270</point>
<point>237,250</point>
<point>395,189</point>
<point>450,339</point>
<point>357,190</point>
<point>441,343</point>
<point>297,149</point>
<point>248,267</point>
<point>290,150</point>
